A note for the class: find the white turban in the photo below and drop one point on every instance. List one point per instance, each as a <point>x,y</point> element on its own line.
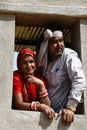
<point>42,55</point>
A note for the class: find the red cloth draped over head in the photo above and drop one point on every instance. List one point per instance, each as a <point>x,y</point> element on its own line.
<point>22,53</point>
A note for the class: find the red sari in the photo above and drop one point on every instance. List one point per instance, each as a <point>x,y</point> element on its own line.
<point>30,92</point>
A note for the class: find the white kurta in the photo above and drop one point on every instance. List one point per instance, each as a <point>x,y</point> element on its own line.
<point>66,80</point>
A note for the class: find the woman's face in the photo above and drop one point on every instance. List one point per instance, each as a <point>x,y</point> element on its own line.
<point>55,47</point>
<point>28,65</point>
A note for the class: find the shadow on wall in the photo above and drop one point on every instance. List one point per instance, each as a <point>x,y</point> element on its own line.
<point>49,123</point>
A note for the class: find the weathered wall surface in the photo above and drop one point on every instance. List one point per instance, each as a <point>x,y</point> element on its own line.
<point>20,120</point>
<point>50,2</point>
<point>64,7</point>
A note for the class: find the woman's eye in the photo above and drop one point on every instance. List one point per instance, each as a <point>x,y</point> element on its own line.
<point>24,63</point>
<point>31,61</point>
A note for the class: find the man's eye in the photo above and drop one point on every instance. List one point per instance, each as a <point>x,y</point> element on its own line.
<point>60,40</point>
<point>54,41</point>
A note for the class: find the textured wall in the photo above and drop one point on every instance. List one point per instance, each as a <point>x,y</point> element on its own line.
<point>51,2</point>
<point>64,7</point>
<point>20,120</point>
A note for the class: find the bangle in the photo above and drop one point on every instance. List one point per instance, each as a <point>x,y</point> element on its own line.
<point>33,106</point>
<point>43,94</point>
<point>72,108</point>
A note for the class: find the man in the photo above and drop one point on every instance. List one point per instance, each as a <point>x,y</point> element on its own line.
<point>62,68</point>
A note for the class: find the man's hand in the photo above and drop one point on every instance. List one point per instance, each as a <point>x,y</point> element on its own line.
<point>67,115</point>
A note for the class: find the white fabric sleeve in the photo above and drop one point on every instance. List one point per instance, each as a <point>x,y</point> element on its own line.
<point>77,78</point>
<point>72,102</point>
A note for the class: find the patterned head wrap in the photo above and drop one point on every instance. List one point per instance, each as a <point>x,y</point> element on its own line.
<point>42,55</point>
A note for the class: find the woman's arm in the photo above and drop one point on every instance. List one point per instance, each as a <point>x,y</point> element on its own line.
<point>19,104</point>
<point>35,106</point>
<point>43,94</point>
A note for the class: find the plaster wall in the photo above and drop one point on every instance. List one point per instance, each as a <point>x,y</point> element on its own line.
<point>20,120</point>
<point>50,2</point>
<point>83,32</point>
<point>64,7</point>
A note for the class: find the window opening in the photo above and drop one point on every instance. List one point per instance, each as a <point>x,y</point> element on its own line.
<point>28,36</point>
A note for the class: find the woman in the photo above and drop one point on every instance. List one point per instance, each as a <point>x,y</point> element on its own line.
<point>29,91</point>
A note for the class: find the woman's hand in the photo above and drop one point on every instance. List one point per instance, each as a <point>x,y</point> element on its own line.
<point>68,116</point>
<point>48,111</point>
<point>32,79</point>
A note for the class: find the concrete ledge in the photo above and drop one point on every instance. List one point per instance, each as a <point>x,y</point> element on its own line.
<point>78,11</point>
<point>28,120</point>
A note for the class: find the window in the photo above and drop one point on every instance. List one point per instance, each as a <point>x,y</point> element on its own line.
<point>31,35</point>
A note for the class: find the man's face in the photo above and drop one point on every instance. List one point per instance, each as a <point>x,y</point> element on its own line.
<point>28,65</point>
<point>55,47</point>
